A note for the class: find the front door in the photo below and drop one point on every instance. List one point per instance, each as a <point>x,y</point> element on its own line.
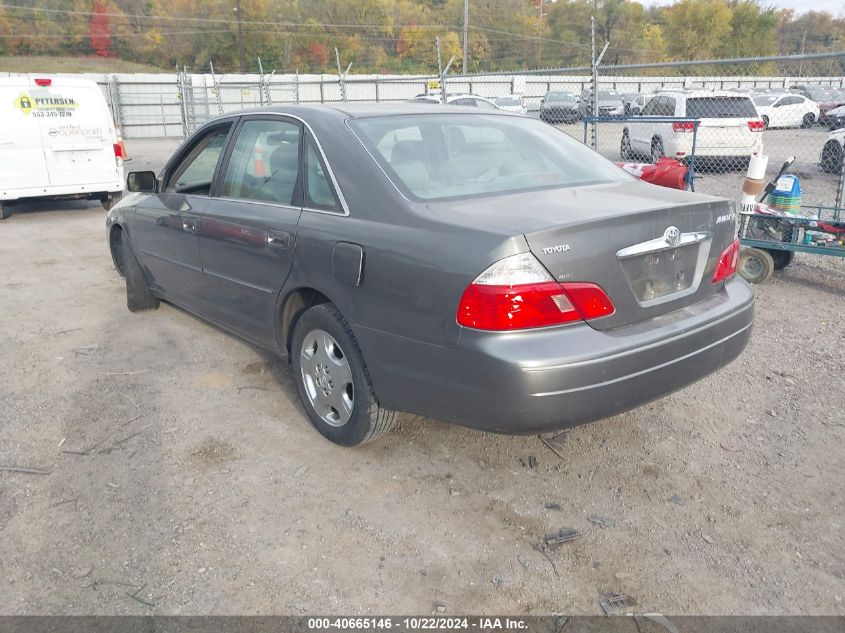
<point>249,228</point>
<point>164,230</point>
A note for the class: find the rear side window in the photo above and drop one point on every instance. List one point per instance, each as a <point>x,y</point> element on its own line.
<point>318,190</point>
<point>720,108</point>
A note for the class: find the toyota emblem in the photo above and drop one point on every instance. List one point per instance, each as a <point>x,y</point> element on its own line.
<point>672,236</point>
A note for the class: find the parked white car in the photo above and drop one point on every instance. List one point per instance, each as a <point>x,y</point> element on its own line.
<point>730,128</point>
<point>472,101</point>
<point>511,104</point>
<point>786,110</point>
<point>57,140</point>
<point>834,147</point>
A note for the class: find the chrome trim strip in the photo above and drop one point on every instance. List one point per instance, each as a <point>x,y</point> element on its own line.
<point>260,202</point>
<point>660,244</point>
<point>644,371</point>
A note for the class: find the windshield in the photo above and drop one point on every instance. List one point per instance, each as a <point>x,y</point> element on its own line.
<point>441,156</point>
<point>609,95</point>
<point>508,101</point>
<point>720,108</point>
<point>560,96</point>
<point>765,100</point>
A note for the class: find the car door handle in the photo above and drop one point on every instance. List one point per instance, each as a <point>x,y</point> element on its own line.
<point>279,239</point>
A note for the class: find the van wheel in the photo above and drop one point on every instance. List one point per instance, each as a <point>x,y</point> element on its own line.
<point>110,200</point>
<point>138,295</point>
<point>332,379</point>
<point>755,265</point>
<point>4,212</point>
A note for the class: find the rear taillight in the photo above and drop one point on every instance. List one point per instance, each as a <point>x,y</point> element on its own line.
<point>43,82</point>
<point>120,150</point>
<point>726,268</point>
<point>683,126</point>
<point>517,293</point>
<point>756,126</point>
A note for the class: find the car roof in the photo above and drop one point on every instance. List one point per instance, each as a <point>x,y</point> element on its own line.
<point>361,110</point>
<point>700,93</point>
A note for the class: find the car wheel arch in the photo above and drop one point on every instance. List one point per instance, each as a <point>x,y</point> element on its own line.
<point>292,306</point>
<point>116,236</point>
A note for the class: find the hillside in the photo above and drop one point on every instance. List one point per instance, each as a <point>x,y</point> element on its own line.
<point>47,63</point>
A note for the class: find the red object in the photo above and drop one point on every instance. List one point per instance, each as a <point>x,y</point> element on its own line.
<point>99,31</point>
<point>756,126</point>
<point>683,126</point>
<point>258,167</point>
<point>666,172</point>
<point>726,268</point>
<point>120,150</point>
<point>43,82</point>
<point>518,307</point>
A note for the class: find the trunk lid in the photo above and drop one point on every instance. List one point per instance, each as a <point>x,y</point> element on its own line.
<point>580,234</point>
<point>650,257</point>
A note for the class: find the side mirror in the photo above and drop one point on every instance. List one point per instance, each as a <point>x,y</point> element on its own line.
<point>142,181</point>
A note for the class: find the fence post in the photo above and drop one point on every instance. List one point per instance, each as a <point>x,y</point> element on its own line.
<point>296,87</point>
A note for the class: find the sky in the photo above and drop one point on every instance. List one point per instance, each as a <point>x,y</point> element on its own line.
<point>801,6</point>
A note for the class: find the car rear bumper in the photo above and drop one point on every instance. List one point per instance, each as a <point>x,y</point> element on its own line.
<point>553,378</point>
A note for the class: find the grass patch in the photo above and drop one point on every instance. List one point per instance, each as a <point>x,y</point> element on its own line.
<point>48,64</point>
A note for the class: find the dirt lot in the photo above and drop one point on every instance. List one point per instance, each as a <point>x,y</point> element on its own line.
<point>182,470</point>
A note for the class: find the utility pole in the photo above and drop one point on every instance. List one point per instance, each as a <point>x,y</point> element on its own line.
<point>237,11</point>
<point>801,63</point>
<point>540,33</point>
<point>466,33</point>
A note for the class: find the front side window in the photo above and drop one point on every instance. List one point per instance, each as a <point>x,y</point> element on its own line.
<point>265,162</point>
<point>441,156</point>
<point>196,171</point>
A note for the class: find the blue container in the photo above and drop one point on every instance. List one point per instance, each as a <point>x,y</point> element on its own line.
<point>787,195</point>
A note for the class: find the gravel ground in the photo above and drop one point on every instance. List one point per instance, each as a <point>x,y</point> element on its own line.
<point>182,470</point>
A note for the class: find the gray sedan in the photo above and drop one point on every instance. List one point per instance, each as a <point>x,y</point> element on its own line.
<point>477,267</point>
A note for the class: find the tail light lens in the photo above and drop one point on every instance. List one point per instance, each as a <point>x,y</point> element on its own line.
<point>517,293</point>
<point>120,150</point>
<point>683,126</point>
<point>756,126</point>
<point>43,82</point>
<point>726,268</point>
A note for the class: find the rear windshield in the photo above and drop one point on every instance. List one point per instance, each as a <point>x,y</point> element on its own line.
<point>441,156</point>
<point>720,108</point>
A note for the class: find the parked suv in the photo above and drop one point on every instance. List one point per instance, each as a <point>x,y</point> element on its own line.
<point>730,128</point>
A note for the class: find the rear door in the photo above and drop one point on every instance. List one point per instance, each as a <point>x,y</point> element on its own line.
<point>77,131</point>
<point>640,132</point>
<point>23,164</point>
<point>724,122</point>
<point>249,229</point>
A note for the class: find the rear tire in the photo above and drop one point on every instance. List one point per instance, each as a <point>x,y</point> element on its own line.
<point>138,295</point>
<point>780,259</point>
<point>755,265</point>
<point>831,157</point>
<point>331,376</point>
<point>656,150</point>
<point>625,146</point>
<point>110,200</point>
<point>809,120</point>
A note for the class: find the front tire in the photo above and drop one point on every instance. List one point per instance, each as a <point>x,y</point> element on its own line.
<point>138,295</point>
<point>755,265</point>
<point>332,379</point>
<point>808,120</point>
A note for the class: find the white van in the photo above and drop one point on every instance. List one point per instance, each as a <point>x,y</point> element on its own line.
<point>57,140</point>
